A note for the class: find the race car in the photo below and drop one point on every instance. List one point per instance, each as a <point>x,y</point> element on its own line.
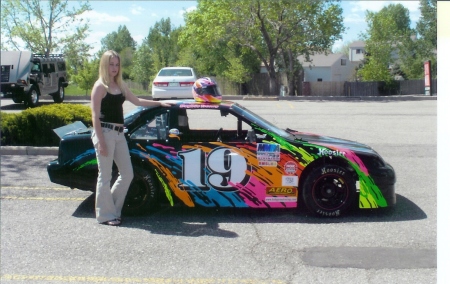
<point>224,155</point>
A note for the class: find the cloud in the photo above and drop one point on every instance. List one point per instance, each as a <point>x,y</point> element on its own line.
<point>192,8</point>
<point>136,10</point>
<point>375,6</point>
<point>98,18</point>
<point>358,9</point>
<point>355,18</point>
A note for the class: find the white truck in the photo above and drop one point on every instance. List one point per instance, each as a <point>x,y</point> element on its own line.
<point>26,76</point>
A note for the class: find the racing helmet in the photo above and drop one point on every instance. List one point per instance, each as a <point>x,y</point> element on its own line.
<point>206,90</point>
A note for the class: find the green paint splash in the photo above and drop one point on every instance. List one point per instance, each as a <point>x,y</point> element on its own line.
<point>166,188</point>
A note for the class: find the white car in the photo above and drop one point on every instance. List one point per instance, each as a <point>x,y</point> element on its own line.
<point>173,83</point>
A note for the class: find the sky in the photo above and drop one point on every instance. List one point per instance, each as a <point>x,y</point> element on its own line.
<point>139,16</point>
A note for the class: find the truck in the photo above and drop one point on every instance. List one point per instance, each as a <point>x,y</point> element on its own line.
<point>26,76</point>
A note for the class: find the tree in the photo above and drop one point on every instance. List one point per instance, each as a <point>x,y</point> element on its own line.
<point>87,75</point>
<point>423,45</point>
<point>118,41</point>
<point>42,26</point>
<point>387,31</point>
<point>121,42</point>
<point>269,29</point>
<point>162,41</point>
<point>345,48</point>
<point>141,69</point>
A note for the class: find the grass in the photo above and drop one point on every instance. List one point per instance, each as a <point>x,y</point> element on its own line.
<point>74,90</point>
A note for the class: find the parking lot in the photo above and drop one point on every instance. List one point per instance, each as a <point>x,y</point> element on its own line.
<point>49,233</point>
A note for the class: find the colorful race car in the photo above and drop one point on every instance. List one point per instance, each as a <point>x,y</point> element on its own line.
<point>224,155</point>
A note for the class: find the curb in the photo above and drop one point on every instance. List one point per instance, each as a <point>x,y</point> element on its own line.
<point>28,150</point>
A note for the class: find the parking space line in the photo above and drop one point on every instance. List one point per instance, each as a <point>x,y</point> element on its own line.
<point>100,279</point>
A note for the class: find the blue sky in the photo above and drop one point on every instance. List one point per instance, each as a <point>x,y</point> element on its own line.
<point>139,16</point>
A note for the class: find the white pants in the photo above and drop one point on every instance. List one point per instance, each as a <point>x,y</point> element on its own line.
<point>109,200</point>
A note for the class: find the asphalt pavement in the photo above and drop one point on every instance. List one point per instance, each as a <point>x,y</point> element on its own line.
<point>49,233</point>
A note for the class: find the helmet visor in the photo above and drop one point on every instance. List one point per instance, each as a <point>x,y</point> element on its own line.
<point>209,90</point>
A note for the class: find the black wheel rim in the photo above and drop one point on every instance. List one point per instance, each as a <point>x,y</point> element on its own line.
<point>34,97</point>
<point>137,194</point>
<point>330,192</point>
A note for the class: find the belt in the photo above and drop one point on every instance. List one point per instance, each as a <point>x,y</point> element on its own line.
<point>112,126</point>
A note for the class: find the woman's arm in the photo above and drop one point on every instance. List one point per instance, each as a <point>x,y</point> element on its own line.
<point>98,93</point>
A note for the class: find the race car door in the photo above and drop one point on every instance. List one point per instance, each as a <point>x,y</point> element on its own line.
<point>223,164</point>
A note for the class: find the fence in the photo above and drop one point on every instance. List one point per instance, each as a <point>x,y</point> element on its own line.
<point>259,86</point>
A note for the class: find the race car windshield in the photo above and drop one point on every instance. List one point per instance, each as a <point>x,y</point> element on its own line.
<point>253,117</point>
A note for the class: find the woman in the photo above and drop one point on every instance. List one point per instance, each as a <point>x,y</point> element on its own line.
<point>108,94</point>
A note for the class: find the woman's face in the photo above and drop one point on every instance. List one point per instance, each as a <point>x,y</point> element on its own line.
<point>114,67</point>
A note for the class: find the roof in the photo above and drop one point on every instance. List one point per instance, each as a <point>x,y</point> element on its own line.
<point>321,60</point>
<point>358,43</point>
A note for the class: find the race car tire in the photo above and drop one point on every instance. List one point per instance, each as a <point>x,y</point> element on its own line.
<point>32,97</point>
<point>329,191</point>
<point>142,196</point>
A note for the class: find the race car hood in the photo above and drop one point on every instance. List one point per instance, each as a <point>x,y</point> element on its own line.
<point>331,141</point>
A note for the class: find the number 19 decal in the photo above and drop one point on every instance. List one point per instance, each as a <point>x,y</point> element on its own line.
<point>221,169</point>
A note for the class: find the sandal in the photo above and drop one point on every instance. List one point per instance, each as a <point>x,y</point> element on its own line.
<point>114,222</point>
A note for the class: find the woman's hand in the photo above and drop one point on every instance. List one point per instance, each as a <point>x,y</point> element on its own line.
<point>102,148</point>
<point>167,103</point>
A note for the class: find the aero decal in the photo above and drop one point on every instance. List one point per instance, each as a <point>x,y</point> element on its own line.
<point>285,191</point>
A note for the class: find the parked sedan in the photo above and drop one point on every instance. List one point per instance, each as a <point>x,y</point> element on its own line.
<point>224,155</point>
<point>173,83</point>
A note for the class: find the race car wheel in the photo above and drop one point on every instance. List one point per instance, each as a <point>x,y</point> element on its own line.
<point>329,191</point>
<point>142,196</point>
<point>32,98</point>
<point>58,97</point>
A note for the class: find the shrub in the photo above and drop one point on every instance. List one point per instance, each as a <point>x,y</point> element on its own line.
<point>34,126</point>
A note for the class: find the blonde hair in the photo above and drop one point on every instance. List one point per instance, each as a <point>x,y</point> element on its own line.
<point>103,74</point>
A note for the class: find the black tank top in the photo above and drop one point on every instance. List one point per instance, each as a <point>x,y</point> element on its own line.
<point>111,109</point>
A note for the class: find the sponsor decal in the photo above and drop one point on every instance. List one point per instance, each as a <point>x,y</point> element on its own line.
<point>328,152</point>
<point>268,152</point>
<point>290,168</point>
<point>286,191</point>
<point>199,106</point>
<point>329,214</point>
<point>267,163</point>
<point>289,180</point>
<point>269,199</point>
<point>333,171</point>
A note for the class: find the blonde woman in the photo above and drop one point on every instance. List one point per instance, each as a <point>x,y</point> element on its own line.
<point>107,97</point>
